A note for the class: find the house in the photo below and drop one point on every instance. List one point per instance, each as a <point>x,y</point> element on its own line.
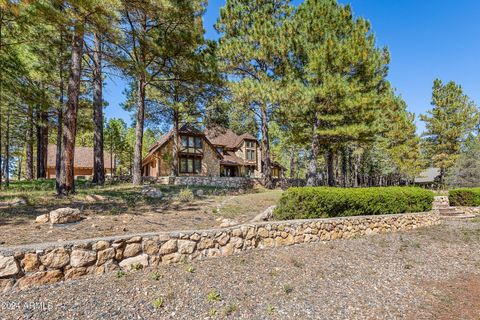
<point>83,162</point>
<point>212,153</point>
<point>427,177</point>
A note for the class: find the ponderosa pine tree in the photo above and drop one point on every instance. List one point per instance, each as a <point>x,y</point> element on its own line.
<point>403,141</point>
<point>82,17</point>
<point>252,54</point>
<point>452,118</point>
<point>466,171</point>
<point>98,165</point>
<point>338,75</point>
<point>152,42</point>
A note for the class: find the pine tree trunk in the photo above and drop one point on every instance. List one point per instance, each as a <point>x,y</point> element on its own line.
<point>137,153</point>
<point>58,151</point>
<point>98,165</point>
<point>267,167</point>
<point>29,146</point>
<point>1,93</point>
<point>20,164</point>
<point>7,150</point>
<point>330,167</point>
<point>42,144</point>
<point>312,174</point>
<point>67,178</point>
<point>175,145</point>
<point>292,164</point>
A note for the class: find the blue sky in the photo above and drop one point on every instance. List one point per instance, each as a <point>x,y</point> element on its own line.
<point>427,39</point>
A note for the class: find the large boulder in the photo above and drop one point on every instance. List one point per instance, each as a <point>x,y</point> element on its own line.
<point>95,198</point>
<point>8,267</point>
<point>44,218</point>
<point>82,258</point>
<point>134,262</point>
<point>151,192</point>
<point>64,215</point>
<point>265,215</point>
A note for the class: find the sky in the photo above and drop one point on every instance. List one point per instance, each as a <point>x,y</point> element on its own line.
<point>427,39</point>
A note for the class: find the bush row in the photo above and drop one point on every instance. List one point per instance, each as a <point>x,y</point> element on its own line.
<point>467,197</point>
<point>322,202</point>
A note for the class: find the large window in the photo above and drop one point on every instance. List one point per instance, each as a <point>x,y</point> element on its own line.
<point>189,164</point>
<point>250,147</point>
<point>191,144</point>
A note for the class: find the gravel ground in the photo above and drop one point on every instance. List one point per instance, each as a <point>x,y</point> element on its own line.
<point>431,273</point>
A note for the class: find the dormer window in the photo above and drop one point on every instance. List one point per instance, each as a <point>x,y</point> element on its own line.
<point>250,150</point>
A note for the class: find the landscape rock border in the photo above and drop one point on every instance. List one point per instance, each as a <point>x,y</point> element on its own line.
<point>31,265</point>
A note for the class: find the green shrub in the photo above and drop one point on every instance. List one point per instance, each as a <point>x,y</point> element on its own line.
<point>323,202</point>
<point>186,195</point>
<point>467,197</point>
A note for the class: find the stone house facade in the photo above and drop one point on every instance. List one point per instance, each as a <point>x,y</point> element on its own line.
<point>215,152</point>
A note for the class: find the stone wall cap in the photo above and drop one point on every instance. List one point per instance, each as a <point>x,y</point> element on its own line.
<point>38,247</point>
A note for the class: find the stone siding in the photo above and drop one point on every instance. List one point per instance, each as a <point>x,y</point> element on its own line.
<point>31,265</point>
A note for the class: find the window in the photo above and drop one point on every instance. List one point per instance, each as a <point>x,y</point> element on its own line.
<point>192,144</point>
<point>190,164</point>
<point>250,147</point>
<point>220,150</point>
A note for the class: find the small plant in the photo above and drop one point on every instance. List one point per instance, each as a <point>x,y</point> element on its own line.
<point>287,288</point>
<point>186,195</point>
<point>270,310</point>
<point>230,309</point>
<point>137,266</point>
<point>212,312</point>
<point>274,272</point>
<point>408,266</point>
<point>296,263</point>
<point>130,200</point>
<point>190,269</point>
<point>156,276</point>
<point>121,274</point>
<point>158,303</point>
<point>213,296</point>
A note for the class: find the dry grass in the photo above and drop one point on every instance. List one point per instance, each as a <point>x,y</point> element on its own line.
<point>125,210</point>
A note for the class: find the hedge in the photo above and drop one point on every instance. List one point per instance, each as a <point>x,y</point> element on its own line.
<point>467,197</point>
<point>323,202</point>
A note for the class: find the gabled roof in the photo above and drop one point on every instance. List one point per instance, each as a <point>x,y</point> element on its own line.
<point>230,158</point>
<point>185,129</point>
<point>220,136</point>
<point>83,157</point>
<point>427,175</point>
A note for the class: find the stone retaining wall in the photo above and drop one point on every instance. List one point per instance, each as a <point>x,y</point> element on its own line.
<point>25,266</point>
<point>220,182</point>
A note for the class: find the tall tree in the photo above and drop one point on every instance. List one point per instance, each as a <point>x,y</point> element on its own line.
<point>154,34</point>
<point>338,76</point>
<point>466,171</point>
<point>252,55</point>
<point>452,117</point>
<point>98,165</point>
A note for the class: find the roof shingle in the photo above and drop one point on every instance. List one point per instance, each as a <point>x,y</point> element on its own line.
<point>83,157</point>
